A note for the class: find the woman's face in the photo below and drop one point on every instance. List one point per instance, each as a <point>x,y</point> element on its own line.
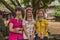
<point>18,12</point>
<point>40,14</point>
<point>29,13</point>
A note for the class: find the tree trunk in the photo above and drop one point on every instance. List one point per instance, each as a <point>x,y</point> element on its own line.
<point>35,6</point>
<point>7,5</point>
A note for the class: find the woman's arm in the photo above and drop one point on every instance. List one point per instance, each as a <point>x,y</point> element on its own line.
<point>38,34</point>
<point>24,27</point>
<point>46,25</point>
<point>34,29</point>
<point>11,28</point>
<point>46,28</point>
<point>19,30</point>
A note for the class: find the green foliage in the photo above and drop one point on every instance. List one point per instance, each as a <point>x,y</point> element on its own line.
<point>44,2</point>
<point>10,3</point>
<point>1,5</point>
<point>27,2</point>
<point>56,14</point>
<point>21,2</point>
<point>3,29</point>
<point>59,0</point>
<point>47,1</point>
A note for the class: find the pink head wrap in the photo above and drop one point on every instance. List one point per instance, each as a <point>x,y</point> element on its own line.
<point>29,9</point>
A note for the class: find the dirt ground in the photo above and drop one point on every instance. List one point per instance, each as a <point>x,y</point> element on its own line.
<point>54,27</point>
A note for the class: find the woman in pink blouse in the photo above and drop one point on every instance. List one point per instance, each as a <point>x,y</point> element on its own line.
<point>15,26</point>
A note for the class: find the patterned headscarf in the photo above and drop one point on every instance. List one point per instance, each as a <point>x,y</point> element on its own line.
<point>28,9</point>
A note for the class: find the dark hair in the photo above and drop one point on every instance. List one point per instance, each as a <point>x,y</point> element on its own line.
<point>18,8</point>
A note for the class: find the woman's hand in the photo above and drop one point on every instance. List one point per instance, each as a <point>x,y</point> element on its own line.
<point>46,30</point>
<point>31,38</point>
<point>42,37</point>
<point>26,34</point>
<point>39,35</point>
<point>19,30</point>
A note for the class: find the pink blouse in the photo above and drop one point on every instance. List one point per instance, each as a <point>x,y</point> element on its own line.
<point>12,35</point>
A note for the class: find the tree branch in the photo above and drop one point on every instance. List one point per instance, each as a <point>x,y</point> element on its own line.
<point>7,5</point>
<point>18,3</point>
<point>13,3</point>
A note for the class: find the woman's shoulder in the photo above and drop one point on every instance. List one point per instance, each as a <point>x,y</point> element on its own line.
<point>12,18</point>
<point>24,21</point>
<point>45,20</point>
<point>34,21</point>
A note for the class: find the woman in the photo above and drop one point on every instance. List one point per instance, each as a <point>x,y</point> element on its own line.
<point>15,25</point>
<point>28,24</point>
<point>41,25</point>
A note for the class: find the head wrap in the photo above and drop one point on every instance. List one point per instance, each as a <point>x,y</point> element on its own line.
<point>18,8</point>
<point>27,9</point>
<point>39,11</point>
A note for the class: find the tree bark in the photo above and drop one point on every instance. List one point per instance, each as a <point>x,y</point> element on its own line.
<point>13,3</point>
<point>7,5</point>
<point>38,2</point>
<point>35,5</point>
